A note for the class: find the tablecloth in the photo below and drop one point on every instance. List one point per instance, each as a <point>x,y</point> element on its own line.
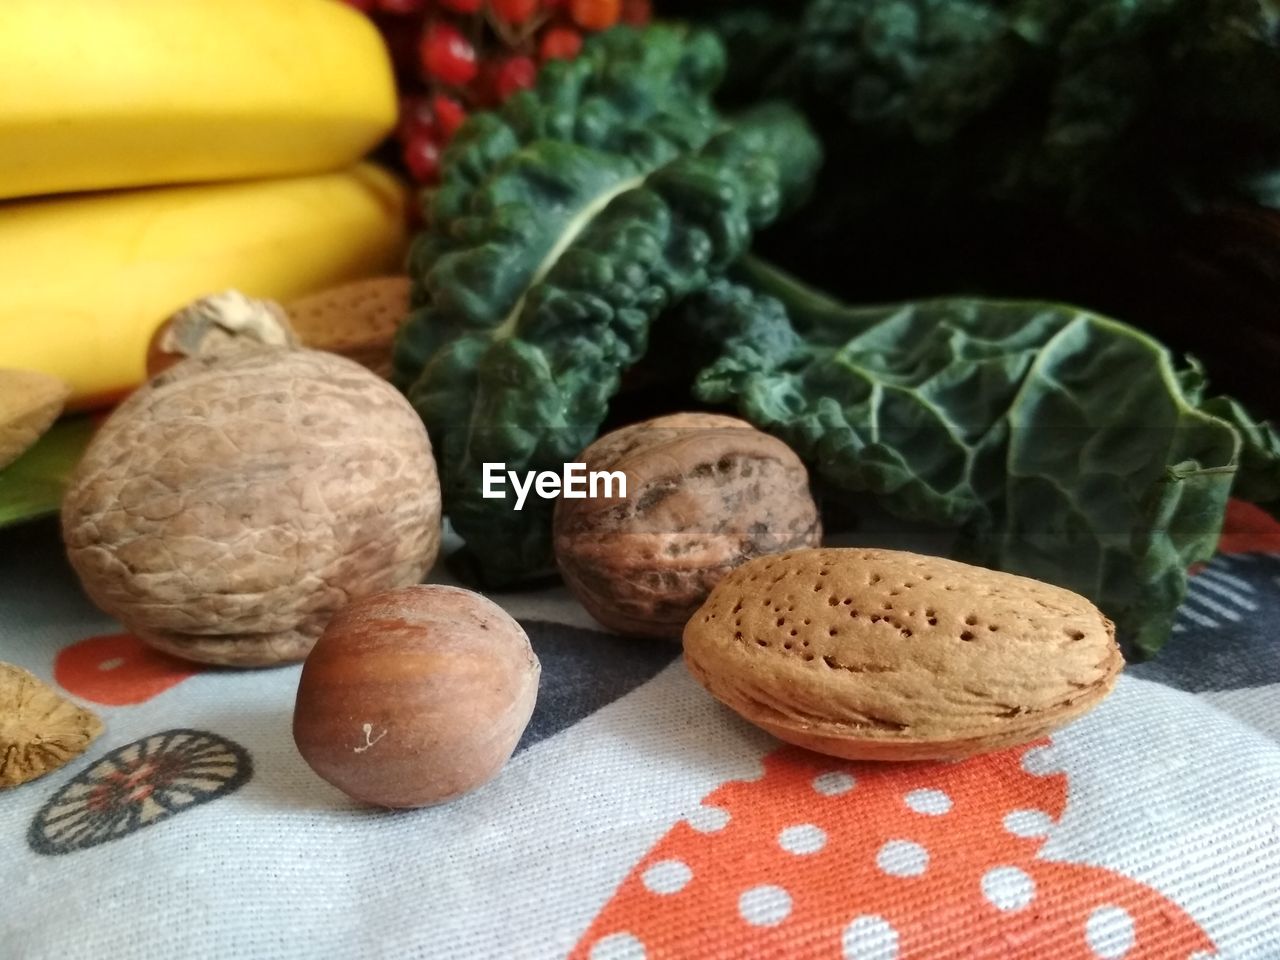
<point>641,819</point>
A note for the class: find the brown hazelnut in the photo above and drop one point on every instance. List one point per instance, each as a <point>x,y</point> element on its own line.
<point>705,493</point>
<point>415,696</point>
<point>233,503</point>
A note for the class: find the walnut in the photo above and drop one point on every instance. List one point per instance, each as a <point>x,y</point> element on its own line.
<point>40,730</point>
<point>358,320</point>
<point>217,325</point>
<point>705,493</point>
<point>233,503</point>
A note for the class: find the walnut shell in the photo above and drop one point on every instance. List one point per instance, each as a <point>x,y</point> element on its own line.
<point>40,730</point>
<point>705,493</point>
<point>29,404</point>
<point>415,696</point>
<point>883,655</point>
<point>216,325</point>
<point>232,504</point>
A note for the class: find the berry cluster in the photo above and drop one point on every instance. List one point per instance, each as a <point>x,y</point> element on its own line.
<point>454,56</point>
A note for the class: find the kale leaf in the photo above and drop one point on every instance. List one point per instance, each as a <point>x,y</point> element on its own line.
<point>1112,111</point>
<point>1063,445</point>
<point>565,223</point>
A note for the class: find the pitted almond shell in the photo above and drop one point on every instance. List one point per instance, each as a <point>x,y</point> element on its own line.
<point>879,654</point>
<point>358,320</point>
<point>30,402</point>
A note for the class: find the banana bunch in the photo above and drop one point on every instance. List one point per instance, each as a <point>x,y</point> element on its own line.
<point>152,152</point>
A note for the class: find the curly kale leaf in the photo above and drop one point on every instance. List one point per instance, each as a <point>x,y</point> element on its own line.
<point>1064,445</point>
<point>923,68</point>
<point>1104,109</point>
<point>564,225</point>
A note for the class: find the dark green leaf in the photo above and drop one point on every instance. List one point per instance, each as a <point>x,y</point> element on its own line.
<point>1066,446</point>
<point>563,226</point>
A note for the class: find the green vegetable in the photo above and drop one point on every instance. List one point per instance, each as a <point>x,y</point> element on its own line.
<point>1108,110</point>
<point>564,224</point>
<point>1064,445</point>
<point>32,486</point>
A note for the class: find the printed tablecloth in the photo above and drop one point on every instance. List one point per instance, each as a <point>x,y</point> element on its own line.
<point>640,819</point>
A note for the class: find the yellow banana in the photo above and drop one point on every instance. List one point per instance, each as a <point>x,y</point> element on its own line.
<point>96,94</point>
<point>85,281</point>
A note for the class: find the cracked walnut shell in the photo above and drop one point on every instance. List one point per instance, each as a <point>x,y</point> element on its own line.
<point>40,730</point>
<point>883,655</point>
<point>705,493</point>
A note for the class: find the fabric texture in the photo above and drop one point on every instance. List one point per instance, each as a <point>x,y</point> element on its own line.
<point>640,819</point>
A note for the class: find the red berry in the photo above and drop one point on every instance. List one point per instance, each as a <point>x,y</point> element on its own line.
<point>416,116</point>
<point>364,6</point>
<point>637,12</point>
<point>462,6</point>
<point>560,43</point>
<point>595,14</point>
<point>447,55</point>
<point>514,73</point>
<point>422,157</point>
<point>449,115</point>
<point>402,6</point>
<point>515,11</point>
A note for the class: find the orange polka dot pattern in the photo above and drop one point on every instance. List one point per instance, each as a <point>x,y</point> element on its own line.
<point>823,858</point>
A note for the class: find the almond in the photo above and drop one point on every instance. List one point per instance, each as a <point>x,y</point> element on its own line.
<point>883,655</point>
<point>358,320</point>
<point>29,404</point>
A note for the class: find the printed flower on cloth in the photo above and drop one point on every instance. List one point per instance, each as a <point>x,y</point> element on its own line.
<point>823,858</point>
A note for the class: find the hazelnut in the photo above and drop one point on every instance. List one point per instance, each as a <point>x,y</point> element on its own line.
<point>415,696</point>
<point>705,493</point>
<point>233,503</point>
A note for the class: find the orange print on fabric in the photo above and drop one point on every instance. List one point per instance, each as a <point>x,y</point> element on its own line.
<point>117,670</point>
<point>824,858</point>
<point>1249,529</point>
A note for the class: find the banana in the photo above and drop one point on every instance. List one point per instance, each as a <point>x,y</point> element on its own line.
<point>86,280</point>
<point>98,94</point>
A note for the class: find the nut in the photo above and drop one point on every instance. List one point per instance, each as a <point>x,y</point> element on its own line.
<point>415,696</point>
<point>232,504</point>
<point>705,493</point>
<point>358,320</point>
<point>29,404</point>
<point>40,730</point>
<point>217,325</point>
<point>881,655</point>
